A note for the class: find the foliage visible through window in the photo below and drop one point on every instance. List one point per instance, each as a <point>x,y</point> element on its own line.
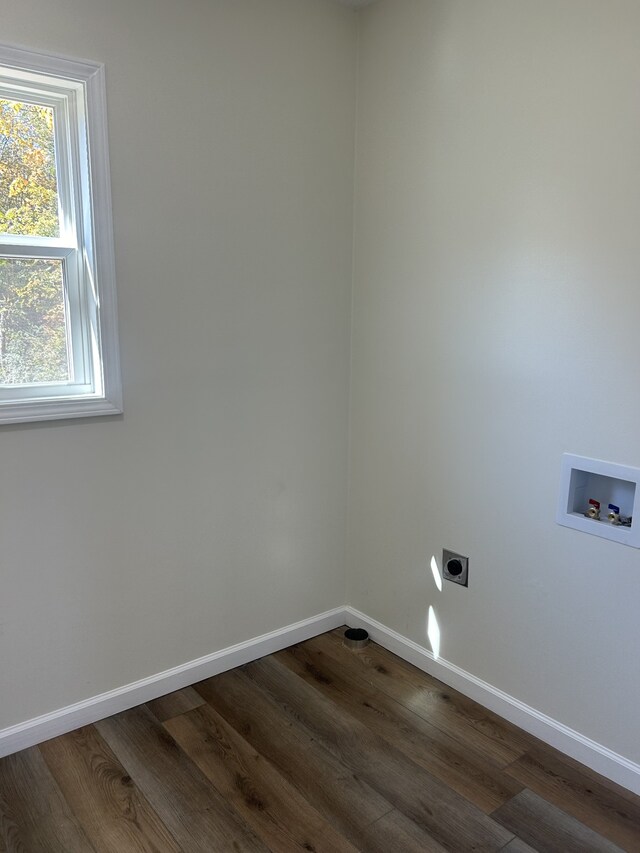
<point>28,186</point>
<point>33,341</point>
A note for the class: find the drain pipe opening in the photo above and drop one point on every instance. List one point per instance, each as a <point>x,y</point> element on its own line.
<point>356,638</point>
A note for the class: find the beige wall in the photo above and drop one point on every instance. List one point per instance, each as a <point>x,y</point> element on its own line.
<point>496,325</point>
<point>214,509</point>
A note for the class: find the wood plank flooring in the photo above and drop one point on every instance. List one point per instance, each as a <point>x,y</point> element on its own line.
<point>316,748</point>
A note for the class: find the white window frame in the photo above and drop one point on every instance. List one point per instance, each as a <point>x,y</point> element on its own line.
<point>75,89</point>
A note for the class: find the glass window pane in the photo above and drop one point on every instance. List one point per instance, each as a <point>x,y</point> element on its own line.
<point>28,186</point>
<point>33,336</point>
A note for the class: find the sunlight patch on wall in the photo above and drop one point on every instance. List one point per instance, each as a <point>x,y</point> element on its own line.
<point>435,570</point>
<point>433,632</point>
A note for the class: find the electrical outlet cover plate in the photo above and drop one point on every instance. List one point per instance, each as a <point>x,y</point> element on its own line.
<point>455,567</point>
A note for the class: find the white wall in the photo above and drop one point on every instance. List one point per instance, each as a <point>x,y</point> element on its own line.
<point>497,325</point>
<point>496,305</point>
<point>214,509</point>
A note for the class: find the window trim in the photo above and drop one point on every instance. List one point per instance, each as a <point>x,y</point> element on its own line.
<point>103,396</point>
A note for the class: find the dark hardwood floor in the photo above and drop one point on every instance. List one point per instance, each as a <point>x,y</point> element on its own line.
<point>316,748</point>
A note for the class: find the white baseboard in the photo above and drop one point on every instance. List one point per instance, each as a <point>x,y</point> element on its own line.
<point>594,755</point>
<point>83,713</point>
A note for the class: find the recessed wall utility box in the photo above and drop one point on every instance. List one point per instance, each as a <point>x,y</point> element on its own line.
<point>583,479</point>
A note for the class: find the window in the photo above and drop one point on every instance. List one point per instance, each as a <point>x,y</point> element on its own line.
<point>58,331</point>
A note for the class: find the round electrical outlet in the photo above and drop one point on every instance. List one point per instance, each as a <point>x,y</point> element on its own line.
<point>454,567</point>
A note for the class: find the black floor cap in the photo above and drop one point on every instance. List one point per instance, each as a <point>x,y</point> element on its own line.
<point>356,638</point>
